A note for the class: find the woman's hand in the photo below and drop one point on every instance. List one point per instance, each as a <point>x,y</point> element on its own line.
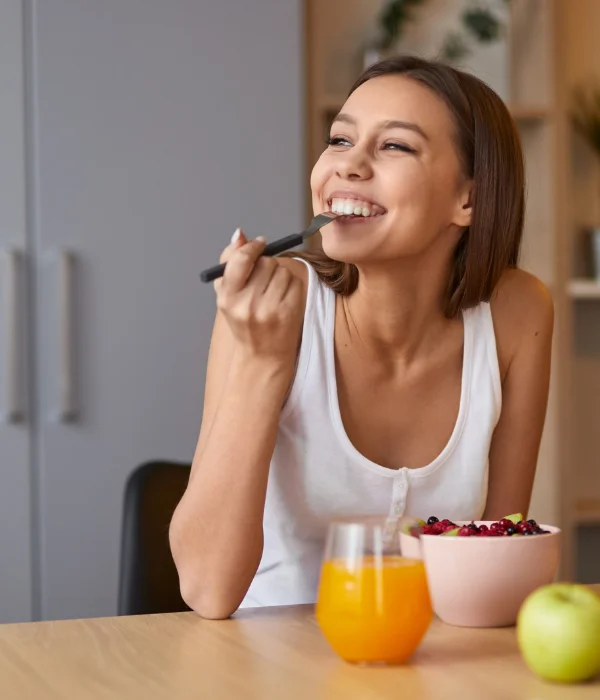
<point>261,300</point>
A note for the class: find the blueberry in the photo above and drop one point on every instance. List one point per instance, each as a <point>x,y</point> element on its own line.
<point>432,520</point>
<point>511,530</point>
<point>532,523</point>
<point>473,527</point>
<point>528,532</point>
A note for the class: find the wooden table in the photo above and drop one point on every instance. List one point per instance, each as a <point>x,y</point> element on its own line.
<point>269,653</point>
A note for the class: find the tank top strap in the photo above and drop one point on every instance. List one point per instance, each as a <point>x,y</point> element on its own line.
<point>484,350</point>
<point>318,298</point>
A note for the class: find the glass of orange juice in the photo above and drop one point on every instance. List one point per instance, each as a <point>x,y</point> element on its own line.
<point>373,604</point>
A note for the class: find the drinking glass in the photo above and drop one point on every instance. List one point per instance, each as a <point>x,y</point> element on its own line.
<point>373,604</point>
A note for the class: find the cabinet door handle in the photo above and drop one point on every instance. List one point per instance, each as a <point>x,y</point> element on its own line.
<point>13,406</point>
<point>67,411</point>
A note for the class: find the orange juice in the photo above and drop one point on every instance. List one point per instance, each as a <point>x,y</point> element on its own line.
<point>374,611</point>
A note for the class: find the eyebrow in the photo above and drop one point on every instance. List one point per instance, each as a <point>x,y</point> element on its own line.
<point>387,124</point>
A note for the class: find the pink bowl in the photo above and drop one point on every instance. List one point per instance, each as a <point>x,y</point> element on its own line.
<point>482,581</point>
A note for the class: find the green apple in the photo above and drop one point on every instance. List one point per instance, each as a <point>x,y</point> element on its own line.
<point>558,632</point>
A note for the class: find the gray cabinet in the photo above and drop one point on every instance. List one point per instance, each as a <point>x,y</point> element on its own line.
<point>17,482</point>
<point>153,129</point>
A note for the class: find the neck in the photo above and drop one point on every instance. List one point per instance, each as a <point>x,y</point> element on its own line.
<point>397,310</point>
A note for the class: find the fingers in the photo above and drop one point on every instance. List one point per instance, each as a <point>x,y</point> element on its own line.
<point>278,283</point>
<point>293,296</point>
<point>241,264</point>
<point>237,241</point>
<point>236,279</point>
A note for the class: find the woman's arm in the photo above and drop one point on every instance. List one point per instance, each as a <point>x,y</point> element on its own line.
<point>216,531</point>
<point>523,315</point>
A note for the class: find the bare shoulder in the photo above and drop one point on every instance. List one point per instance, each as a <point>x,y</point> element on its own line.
<point>523,313</point>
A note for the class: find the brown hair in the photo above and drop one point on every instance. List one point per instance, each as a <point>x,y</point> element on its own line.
<point>490,149</point>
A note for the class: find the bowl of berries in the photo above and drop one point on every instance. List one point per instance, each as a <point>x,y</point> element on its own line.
<point>480,572</point>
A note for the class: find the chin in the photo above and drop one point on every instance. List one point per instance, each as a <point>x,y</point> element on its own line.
<point>343,249</point>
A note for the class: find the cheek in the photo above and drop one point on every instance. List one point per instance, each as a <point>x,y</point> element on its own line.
<point>319,176</point>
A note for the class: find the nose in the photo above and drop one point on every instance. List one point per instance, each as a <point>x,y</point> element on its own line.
<point>354,164</point>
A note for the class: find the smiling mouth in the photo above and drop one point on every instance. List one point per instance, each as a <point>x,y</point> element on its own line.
<point>354,209</point>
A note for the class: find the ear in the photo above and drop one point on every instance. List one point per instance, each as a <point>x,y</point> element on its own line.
<point>464,206</point>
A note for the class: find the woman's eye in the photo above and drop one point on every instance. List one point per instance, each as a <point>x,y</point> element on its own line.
<point>338,141</point>
<point>394,146</point>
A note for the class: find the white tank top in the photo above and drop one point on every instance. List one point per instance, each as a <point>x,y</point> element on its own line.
<point>316,474</point>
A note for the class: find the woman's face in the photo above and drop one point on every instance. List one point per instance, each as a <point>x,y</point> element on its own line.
<point>392,165</point>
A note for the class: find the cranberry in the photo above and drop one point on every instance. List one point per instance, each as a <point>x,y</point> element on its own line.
<point>432,520</point>
<point>522,526</point>
<point>491,533</point>
<point>496,526</point>
<point>465,531</point>
<point>506,523</point>
<point>483,528</point>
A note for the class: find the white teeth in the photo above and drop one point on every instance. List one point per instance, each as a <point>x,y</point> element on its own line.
<point>354,207</point>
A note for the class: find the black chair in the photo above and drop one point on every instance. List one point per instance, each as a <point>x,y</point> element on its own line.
<point>149,582</point>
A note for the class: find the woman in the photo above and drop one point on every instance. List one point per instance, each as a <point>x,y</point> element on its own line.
<point>405,370</point>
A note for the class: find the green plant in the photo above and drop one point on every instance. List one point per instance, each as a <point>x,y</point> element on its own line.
<point>392,19</point>
<point>480,21</point>
<point>585,116</point>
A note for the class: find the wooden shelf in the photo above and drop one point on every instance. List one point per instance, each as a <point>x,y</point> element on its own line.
<point>587,512</point>
<point>584,289</point>
<point>330,103</point>
<point>529,114</point>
